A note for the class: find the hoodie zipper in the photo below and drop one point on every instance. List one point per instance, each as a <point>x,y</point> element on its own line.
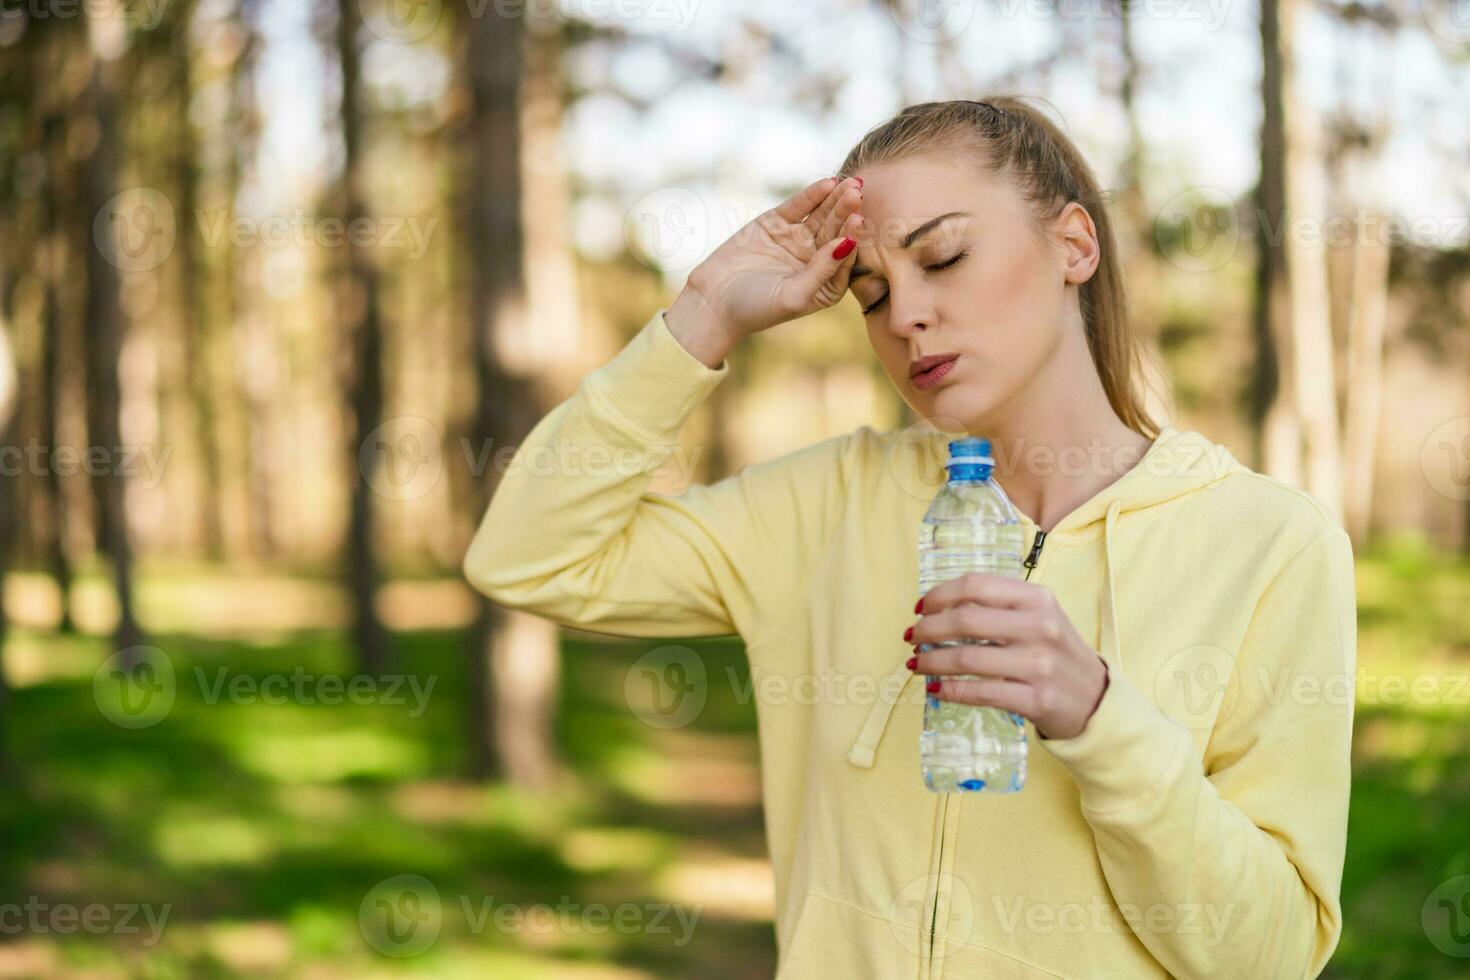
<point>1035,555</point>
<point>1030,564</point>
<point>938,876</point>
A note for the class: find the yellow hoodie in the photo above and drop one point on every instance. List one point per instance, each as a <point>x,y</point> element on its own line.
<point>1195,828</point>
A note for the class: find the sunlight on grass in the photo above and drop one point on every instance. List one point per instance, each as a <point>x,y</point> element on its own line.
<point>527,966</point>
<point>213,601</point>
<point>198,839</point>
<point>601,849</point>
<point>320,803</point>
<point>692,770</point>
<point>333,756</point>
<point>251,947</point>
<point>33,657</point>
<point>27,958</point>
<point>732,888</point>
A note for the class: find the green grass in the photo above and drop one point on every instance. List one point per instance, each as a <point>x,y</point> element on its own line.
<point>265,827</point>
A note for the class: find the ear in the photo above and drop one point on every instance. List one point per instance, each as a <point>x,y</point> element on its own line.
<point>1078,237</point>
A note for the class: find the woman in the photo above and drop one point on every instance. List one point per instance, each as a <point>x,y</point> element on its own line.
<point>1180,646</point>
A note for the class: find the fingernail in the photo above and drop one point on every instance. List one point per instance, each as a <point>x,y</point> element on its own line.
<point>843,247</point>
<point>932,687</point>
<point>919,606</point>
<point>911,663</point>
<point>908,634</point>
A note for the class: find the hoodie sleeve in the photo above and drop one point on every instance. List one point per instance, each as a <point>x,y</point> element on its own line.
<point>1250,846</point>
<point>574,534</point>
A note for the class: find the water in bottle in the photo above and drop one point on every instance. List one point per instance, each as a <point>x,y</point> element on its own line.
<point>970,527</point>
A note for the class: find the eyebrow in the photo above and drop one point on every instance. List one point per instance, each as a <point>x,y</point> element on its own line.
<point>909,239</point>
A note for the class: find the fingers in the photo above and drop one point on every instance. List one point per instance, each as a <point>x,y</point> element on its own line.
<point>827,220</point>
<point>988,590</point>
<point>796,207</point>
<point>829,266</point>
<point>989,661</point>
<point>992,692</point>
<point>969,620</point>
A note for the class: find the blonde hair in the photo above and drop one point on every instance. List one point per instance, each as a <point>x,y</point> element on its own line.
<point>1009,138</point>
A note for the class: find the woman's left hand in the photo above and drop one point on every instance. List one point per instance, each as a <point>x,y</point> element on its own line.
<point>1043,670</point>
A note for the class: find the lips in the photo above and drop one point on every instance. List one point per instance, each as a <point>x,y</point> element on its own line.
<point>926,372</point>
<point>929,361</point>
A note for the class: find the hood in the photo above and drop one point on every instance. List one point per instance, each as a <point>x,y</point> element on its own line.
<point>1177,463</point>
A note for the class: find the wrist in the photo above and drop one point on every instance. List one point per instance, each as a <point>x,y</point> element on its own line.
<point>1096,702</point>
<point>692,321</point>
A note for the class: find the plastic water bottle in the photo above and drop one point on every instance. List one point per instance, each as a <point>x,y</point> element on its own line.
<point>970,527</point>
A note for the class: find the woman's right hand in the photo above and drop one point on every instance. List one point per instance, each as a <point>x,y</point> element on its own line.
<point>780,266</point>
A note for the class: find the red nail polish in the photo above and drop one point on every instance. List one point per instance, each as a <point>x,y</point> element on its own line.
<point>843,247</point>
<point>932,687</point>
<point>919,606</point>
<point>908,634</point>
<point>911,663</point>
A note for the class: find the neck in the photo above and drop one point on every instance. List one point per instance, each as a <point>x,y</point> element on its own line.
<point>1058,441</point>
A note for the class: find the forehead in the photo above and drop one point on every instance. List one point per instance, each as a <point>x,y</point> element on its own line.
<point>903,194</point>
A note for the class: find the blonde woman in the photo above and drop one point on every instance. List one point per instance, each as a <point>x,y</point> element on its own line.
<point>1179,646</point>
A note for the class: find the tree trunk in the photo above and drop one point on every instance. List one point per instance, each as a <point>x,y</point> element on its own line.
<point>1313,362</point>
<point>1272,400</point>
<point>8,522</point>
<point>103,327</point>
<point>1367,318</point>
<point>1362,133</point>
<point>252,338</point>
<point>514,657</point>
<point>362,330</point>
<point>1136,230</point>
<point>193,303</point>
<point>54,265</point>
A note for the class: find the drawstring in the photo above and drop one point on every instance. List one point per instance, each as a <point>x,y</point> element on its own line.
<point>865,747</point>
<point>1112,651</point>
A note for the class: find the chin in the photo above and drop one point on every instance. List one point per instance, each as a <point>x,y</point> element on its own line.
<point>954,408</point>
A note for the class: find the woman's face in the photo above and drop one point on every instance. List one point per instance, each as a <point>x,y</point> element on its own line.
<point>951,271</point>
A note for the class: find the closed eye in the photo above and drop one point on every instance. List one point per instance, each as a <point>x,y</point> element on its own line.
<point>936,267</point>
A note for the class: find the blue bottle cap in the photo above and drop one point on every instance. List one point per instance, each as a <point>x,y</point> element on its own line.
<point>973,450</point>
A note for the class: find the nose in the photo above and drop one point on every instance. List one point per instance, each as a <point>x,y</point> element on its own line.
<point>910,314</point>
